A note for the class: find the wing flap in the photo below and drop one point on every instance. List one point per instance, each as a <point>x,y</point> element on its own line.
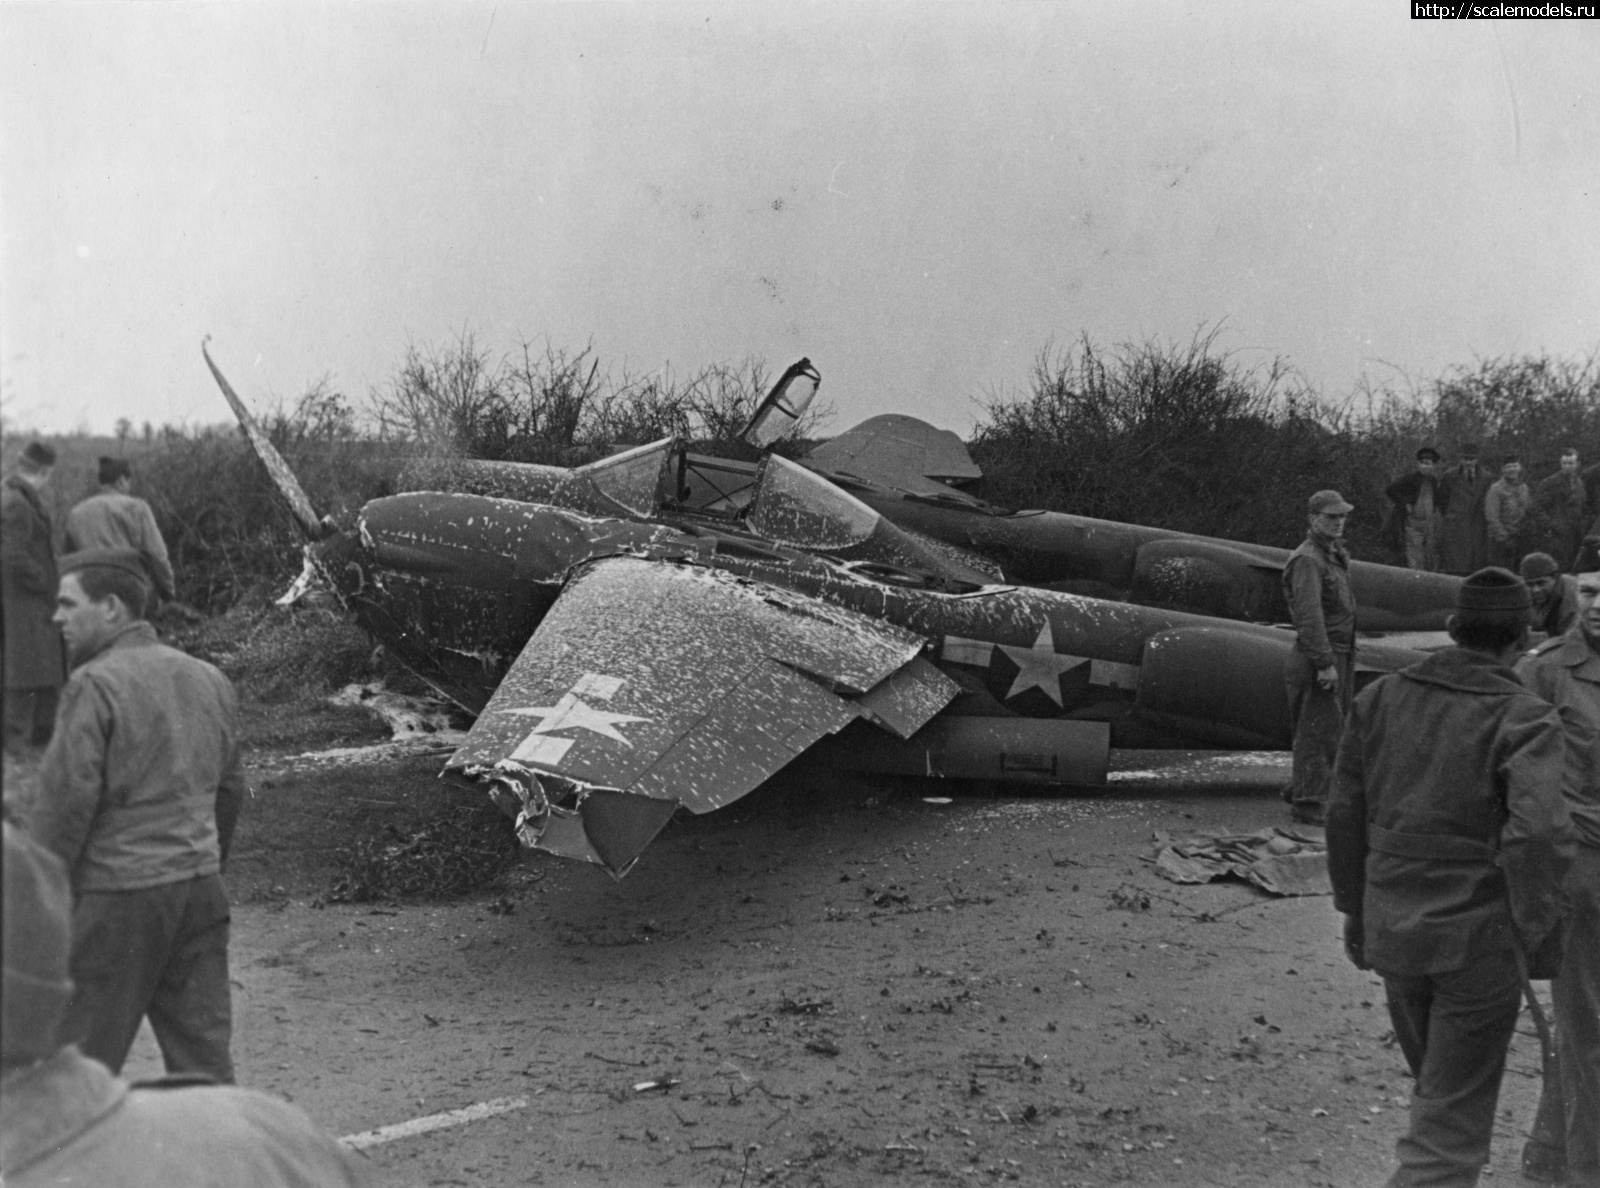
<point>756,728</point>
<point>904,700</point>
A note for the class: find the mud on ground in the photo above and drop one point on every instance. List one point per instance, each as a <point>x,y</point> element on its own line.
<point>846,985</point>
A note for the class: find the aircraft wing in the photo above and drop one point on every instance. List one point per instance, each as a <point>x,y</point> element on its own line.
<point>652,684</point>
<point>901,452</point>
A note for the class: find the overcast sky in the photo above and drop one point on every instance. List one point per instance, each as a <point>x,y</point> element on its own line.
<point>916,196</point>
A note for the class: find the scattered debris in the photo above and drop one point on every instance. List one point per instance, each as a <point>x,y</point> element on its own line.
<point>407,715</point>
<point>661,1083</point>
<point>1282,860</point>
<point>804,1006</point>
<point>822,1047</point>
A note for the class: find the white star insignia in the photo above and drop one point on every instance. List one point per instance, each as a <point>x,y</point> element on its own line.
<point>573,713</point>
<point>1041,666</point>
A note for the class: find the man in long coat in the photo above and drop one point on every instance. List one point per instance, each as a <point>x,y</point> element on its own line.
<point>1561,505</point>
<point>1448,840</point>
<point>1464,541</point>
<point>34,670</point>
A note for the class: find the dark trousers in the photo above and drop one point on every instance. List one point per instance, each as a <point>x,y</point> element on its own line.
<point>162,952</point>
<point>1571,1100</point>
<point>1317,715</point>
<point>30,717</point>
<point>1454,1029</point>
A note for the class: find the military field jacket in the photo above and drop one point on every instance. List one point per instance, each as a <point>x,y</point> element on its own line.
<point>141,783</point>
<point>1505,506</point>
<point>68,1120</point>
<point>1316,584</point>
<point>112,520</point>
<point>1565,671</point>
<point>1448,820</point>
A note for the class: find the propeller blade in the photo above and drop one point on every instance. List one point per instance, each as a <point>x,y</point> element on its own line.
<point>282,476</point>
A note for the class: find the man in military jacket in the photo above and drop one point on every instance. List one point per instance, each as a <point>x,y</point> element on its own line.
<point>139,793</point>
<point>66,1119</point>
<point>1565,671</point>
<point>1316,584</point>
<point>114,518</point>
<point>1448,839</point>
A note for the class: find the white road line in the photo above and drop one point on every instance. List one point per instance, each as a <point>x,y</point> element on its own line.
<point>400,1130</point>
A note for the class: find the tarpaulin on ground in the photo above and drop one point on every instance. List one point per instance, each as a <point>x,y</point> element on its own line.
<point>1282,860</point>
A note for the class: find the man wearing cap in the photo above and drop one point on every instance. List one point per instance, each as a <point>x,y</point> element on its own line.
<point>65,1119</point>
<point>1554,594</point>
<point>1565,671</point>
<point>1448,839</point>
<point>1562,508</point>
<point>33,665</point>
<point>1464,538</point>
<point>1505,507</point>
<point>1418,501</point>
<point>138,795</point>
<point>113,518</point>
<point>1316,585</point>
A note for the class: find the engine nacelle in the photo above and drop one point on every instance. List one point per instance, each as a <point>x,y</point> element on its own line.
<point>1219,684</point>
<point>1206,579</point>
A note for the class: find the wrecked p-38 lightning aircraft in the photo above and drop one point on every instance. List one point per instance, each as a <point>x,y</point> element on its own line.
<point>622,667</point>
<point>913,475</point>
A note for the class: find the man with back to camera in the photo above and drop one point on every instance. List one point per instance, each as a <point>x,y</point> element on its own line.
<point>1554,594</point>
<point>1417,503</point>
<point>1448,839</point>
<point>138,795</point>
<point>1464,539</point>
<point>33,667</point>
<point>1316,584</point>
<point>66,1119</point>
<point>1565,671</point>
<point>114,518</point>
<point>1505,507</point>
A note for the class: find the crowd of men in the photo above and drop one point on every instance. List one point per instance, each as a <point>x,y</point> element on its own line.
<point>1459,518</point>
<point>115,909</point>
<point>1461,798</point>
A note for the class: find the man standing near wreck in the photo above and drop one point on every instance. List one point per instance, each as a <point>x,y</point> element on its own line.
<point>1448,839</point>
<point>1565,671</point>
<point>115,518</point>
<point>138,796</point>
<point>32,661</point>
<point>1316,584</point>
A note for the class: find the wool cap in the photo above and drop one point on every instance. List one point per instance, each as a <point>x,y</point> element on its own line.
<point>1493,595</point>
<point>38,456</point>
<point>38,945</point>
<point>112,469</point>
<point>127,560</point>
<point>1328,503</point>
<point>1429,453</point>
<point>1537,565</point>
